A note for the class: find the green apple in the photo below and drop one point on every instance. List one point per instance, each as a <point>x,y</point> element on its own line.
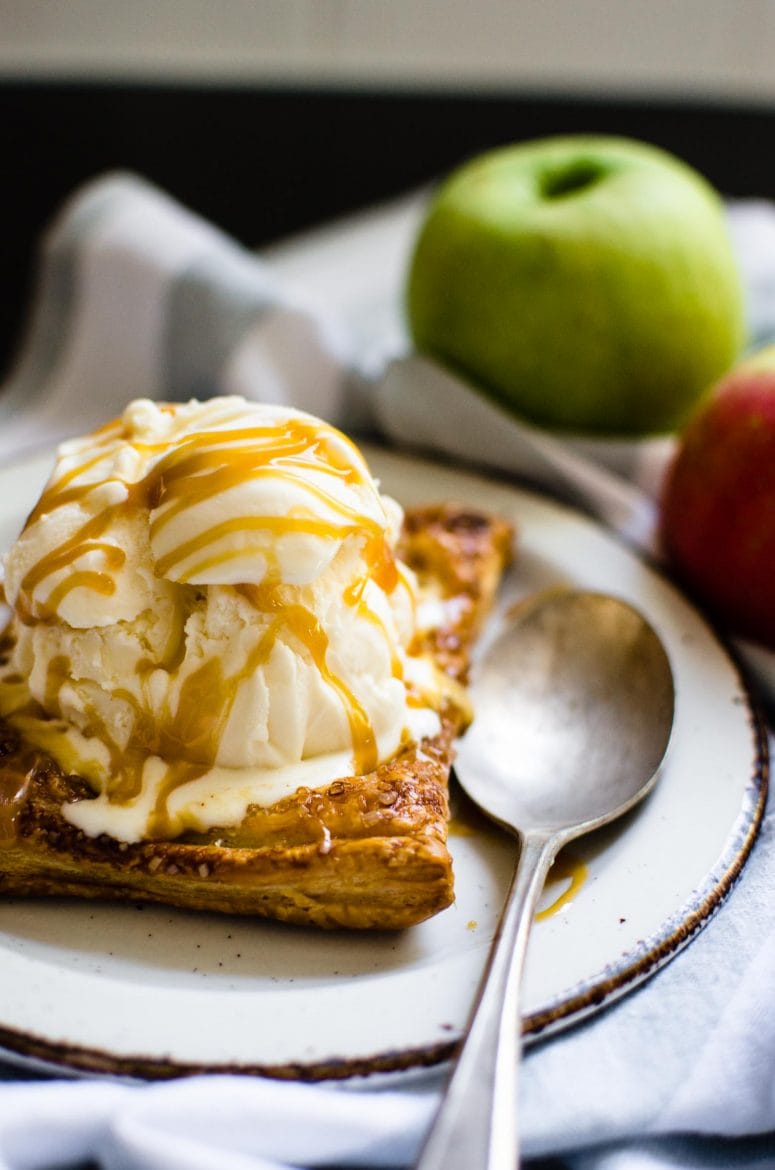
<point>586,283</point>
<point>718,502</point>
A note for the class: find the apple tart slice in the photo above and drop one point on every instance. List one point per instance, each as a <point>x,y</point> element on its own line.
<point>360,851</point>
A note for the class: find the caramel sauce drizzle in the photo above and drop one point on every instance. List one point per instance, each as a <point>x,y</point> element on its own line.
<point>14,781</point>
<point>57,492</point>
<point>383,570</point>
<point>188,471</point>
<point>279,525</point>
<point>56,676</point>
<point>307,629</point>
<point>200,466</point>
<point>566,868</point>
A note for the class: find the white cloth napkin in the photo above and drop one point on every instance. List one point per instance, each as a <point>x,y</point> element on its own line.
<point>137,297</point>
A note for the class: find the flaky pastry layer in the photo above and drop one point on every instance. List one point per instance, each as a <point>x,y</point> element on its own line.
<point>363,852</point>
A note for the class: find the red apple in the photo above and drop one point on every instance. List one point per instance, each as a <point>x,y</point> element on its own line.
<point>718,504</point>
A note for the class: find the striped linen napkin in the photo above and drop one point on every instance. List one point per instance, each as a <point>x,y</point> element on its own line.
<point>137,297</point>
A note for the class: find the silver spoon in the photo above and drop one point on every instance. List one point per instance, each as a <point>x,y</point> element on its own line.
<point>574,709</point>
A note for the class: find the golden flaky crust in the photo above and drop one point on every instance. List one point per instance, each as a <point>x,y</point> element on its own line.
<point>365,852</point>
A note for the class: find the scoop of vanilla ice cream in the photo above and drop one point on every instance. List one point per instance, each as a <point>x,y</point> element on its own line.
<point>207,600</point>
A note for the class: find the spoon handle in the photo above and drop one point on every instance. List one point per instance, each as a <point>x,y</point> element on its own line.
<point>476,1126</point>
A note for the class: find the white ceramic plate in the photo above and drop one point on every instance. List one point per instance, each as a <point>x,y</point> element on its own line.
<point>152,992</point>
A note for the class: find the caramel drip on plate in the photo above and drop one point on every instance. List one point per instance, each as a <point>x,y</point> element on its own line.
<point>571,870</point>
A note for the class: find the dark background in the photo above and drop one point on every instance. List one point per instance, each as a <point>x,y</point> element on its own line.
<point>264,163</point>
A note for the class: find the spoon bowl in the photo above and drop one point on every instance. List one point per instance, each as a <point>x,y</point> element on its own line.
<point>574,707</point>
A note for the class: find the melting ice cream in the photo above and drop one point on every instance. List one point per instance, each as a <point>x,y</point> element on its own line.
<point>208,612</point>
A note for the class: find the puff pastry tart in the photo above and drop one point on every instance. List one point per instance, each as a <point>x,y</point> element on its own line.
<point>90,805</point>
